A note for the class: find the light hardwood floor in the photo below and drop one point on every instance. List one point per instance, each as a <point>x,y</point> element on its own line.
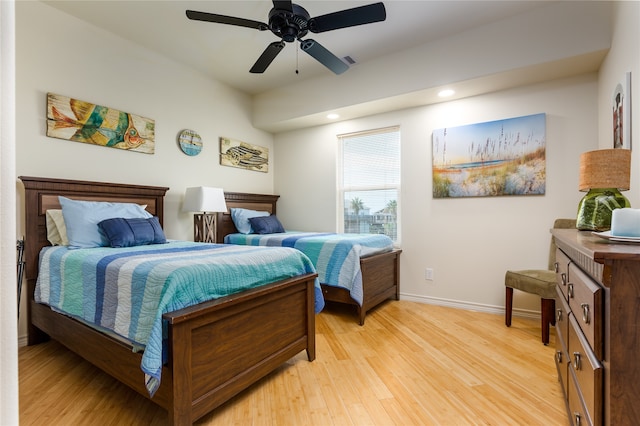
<point>411,364</point>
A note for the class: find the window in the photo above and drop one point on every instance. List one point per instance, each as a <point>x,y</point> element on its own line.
<point>369,182</point>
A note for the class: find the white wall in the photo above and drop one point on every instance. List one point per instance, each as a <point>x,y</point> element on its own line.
<point>8,294</point>
<point>469,242</point>
<point>60,54</point>
<point>624,56</point>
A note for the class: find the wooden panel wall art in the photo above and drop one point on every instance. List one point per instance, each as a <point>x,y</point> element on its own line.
<point>80,121</point>
<point>243,155</point>
<point>505,157</point>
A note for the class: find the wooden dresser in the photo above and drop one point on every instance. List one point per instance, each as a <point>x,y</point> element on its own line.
<point>598,328</point>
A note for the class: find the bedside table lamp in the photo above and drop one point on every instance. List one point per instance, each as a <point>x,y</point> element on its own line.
<point>208,201</point>
<point>603,173</point>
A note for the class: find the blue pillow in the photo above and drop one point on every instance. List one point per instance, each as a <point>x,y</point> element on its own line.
<point>123,232</point>
<point>241,218</point>
<point>266,225</point>
<point>82,217</point>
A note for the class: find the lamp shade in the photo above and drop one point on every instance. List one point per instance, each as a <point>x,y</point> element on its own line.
<point>605,168</point>
<point>204,199</point>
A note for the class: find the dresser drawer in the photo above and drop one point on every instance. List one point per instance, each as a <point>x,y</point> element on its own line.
<point>562,271</point>
<point>562,334</point>
<point>562,315</point>
<point>586,303</point>
<point>578,415</point>
<point>562,361</point>
<point>587,370</point>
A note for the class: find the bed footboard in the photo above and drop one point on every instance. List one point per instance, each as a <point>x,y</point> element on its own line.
<point>225,346</point>
<point>380,281</point>
<point>217,349</point>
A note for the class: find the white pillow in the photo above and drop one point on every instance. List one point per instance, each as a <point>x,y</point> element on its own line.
<point>241,218</point>
<point>82,217</point>
<point>56,229</point>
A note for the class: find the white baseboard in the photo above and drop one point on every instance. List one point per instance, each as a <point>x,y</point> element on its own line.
<point>469,306</point>
<point>22,341</point>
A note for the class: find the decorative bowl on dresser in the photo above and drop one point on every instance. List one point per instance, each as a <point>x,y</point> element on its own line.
<point>598,328</point>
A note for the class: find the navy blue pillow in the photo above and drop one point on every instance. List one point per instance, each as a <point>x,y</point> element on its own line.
<point>132,232</point>
<point>266,225</point>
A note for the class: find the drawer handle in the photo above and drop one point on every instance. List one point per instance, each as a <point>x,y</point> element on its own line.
<point>563,278</point>
<point>559,357</point>
<point>570,290</point>
<point>559,315</point>
<point>576,361</point>
<point>585,313</point>
<point>577,417</point>
<point>556,267</point>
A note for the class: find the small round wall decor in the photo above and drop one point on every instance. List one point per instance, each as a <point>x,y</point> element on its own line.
<point>190,142</point>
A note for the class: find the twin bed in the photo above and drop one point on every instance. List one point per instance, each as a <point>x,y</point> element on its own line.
<point>213,349</point>
<point>379,272</point>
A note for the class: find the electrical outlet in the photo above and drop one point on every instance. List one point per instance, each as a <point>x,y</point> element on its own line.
<point>428,274</point>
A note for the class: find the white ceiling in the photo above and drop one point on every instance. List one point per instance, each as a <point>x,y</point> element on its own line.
<point>226,53</point>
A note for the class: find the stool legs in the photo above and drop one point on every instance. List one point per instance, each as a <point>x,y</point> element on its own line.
<point>547,310</point>
<point>547,313</point>
<point>508,305</point>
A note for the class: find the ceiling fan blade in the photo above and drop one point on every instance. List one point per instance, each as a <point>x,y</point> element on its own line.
<point>222,19</point>
<point>267,57</point>
<point>283,5</point>
<point>348,18</point>
<point>323,56</point>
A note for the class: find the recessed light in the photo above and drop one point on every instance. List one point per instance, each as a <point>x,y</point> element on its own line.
<point>446,93</point>
<point>332,116</point>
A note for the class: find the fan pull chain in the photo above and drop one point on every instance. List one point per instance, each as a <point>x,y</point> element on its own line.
<point>297,51</point>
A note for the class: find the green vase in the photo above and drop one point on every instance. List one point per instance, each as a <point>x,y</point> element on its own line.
<point>594,210</point>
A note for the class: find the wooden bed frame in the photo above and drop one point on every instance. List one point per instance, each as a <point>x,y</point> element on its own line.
<point>260,328</point>
<point>380,272</point>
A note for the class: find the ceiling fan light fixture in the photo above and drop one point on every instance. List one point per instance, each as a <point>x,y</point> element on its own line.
<point>291,22</point>
<point>289,25</point>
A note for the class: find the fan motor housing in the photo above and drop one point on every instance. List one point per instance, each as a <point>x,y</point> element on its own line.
<point>287,25</point>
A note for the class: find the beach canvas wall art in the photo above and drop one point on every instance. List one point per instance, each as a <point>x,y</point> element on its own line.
<point>80,121</point>
<point>496,158</point>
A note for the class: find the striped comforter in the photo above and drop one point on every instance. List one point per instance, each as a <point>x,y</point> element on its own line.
<point>127,290</point>
<point>335,256</point>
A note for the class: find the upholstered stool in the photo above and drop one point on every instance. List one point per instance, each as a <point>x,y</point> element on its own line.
<point>537,281</point>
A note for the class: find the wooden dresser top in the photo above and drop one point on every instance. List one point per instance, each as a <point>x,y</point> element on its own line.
<point>597,248</point>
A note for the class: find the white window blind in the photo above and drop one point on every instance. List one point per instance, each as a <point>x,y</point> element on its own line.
<point>369,182</point>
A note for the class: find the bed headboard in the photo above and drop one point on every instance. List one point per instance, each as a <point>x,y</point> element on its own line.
<point>42,194</point>
<point>261,202</point>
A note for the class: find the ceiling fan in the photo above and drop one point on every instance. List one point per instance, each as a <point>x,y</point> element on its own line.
<point>291,22</point>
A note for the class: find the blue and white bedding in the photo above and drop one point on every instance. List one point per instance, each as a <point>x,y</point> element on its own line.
<point>335,256</point>
<point>127,290</point>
